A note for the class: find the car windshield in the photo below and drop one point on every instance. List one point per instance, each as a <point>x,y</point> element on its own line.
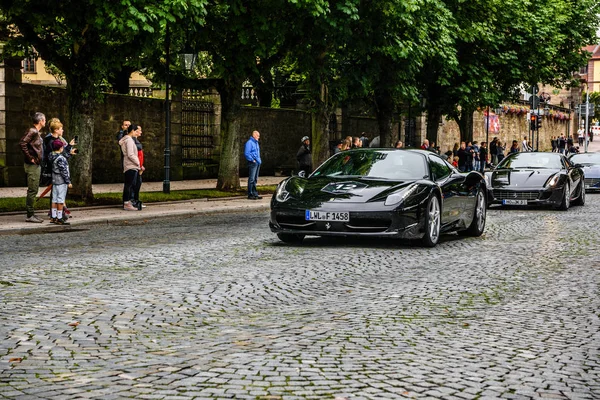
<point>531,160</point>
<point>586,159</point>
<point>394,165</point>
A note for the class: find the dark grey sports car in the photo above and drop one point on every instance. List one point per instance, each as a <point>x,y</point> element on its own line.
<point>407,194</point>
<point>590,163</point>
<point>537,178</point>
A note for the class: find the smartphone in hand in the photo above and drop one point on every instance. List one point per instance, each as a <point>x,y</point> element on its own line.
<point>76,139</point>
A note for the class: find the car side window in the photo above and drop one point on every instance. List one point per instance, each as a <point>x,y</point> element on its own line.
<point>439,169</point>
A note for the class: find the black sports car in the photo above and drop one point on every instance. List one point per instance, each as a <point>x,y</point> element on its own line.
<point>590,163</point>
<point>408,194</point>
<point>537,178</point>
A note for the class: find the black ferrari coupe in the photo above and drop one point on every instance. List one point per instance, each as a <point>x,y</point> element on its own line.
<point>407,194</point>
<point>537,178</point>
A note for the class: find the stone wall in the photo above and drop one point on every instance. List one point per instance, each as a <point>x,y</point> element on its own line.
<point>110,111</point>
<point>281,131</point>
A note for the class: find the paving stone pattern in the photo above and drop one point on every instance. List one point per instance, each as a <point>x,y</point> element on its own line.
<point>216,307</point>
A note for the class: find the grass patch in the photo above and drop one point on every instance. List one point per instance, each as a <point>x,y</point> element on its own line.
<point>10,204</point>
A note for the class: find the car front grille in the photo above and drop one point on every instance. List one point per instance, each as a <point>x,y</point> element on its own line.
<point>592,182</point>
<point>501,194</point>
<point>377,222</point>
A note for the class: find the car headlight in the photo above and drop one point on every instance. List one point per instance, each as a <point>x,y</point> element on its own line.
<point>281,194</point>
<point>553,180</point>
<point>400,195</point>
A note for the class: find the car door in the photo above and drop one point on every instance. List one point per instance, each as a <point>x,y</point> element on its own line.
<point>450,181</point>
<point>575,175</point>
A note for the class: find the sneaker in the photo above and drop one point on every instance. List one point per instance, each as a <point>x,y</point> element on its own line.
<point>62,222</point>
<point>34,219</point>
<point>53,220</point>
<point>129,207</point>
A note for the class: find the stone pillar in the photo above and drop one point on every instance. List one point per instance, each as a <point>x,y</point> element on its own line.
<point>11,104</point>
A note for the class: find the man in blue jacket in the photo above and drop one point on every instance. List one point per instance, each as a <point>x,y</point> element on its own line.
<point>252,154</point>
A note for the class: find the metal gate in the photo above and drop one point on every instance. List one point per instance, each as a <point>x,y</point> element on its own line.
<point>198,129</point>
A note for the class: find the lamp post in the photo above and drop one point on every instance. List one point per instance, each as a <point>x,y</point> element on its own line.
<point>167,172</point>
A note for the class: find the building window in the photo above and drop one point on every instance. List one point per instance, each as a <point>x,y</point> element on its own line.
<point>583,70</point>
<point>29,66</point>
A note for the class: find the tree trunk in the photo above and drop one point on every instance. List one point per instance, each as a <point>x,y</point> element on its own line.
<point>385,112</point>
<point>320,134</point>
<point>229,163</point>
<point>81,123</point>
<point>320,115</point>
<point>433,121</point>
<point>465,124</point>
<point>346,113</point>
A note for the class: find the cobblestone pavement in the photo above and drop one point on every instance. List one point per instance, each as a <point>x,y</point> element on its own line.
<point>216,307</point>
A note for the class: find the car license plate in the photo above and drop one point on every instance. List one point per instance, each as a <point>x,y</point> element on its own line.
<point>327,216</point>
<point>508,202</point>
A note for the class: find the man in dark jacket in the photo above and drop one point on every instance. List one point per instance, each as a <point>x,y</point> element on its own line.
<point>33,153</point>
<point>304,157</point>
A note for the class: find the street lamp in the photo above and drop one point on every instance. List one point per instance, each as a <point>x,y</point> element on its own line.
<point>167,171</point>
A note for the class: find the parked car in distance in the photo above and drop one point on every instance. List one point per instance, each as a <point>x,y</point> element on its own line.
<point>405,194</point>
<point>533,178</point>
<point>590,163</point>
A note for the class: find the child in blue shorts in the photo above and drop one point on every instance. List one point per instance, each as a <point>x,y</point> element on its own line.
<point>61,182</point>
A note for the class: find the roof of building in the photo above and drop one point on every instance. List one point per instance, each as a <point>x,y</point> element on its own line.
<point>595,50</point>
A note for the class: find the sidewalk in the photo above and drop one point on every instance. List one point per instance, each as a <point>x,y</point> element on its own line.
<point>83,218</point>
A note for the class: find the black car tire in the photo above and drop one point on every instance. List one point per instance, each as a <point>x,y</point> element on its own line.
<point>290,237</point>
<point>433,215</point>
<point>566,198</point>
<point>479,216</point>
<point>580,201</point>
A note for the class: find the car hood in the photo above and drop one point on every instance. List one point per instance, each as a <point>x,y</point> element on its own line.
<point>592,171</point>
<point>318,190</point>
<point>521,178</point>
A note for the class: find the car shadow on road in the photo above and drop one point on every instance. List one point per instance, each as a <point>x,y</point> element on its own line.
<point>364,242</point>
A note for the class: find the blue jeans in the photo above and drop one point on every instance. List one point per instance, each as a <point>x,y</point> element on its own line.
<point>253,168</point>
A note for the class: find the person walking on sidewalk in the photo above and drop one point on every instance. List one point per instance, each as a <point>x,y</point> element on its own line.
<point>304,157</point>
<point>61,182</point>
<point>131,166</point>
<point>252,154</point>
<point>33,154</point>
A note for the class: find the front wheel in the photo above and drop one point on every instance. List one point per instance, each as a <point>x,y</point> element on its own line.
<point>581,198</point>
<point>290,237</point>
<point>479,214</point>
<point>432,222</point>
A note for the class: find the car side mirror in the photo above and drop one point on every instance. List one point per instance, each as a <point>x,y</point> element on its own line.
<point>302,174</point>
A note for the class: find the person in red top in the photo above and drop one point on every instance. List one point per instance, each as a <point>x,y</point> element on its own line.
<point>425,145</point>
<point>135,201</point>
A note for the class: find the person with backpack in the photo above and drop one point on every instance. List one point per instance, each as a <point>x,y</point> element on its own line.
<point>304,157</point>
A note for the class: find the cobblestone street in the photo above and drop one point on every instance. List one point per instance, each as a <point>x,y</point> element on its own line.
<point>216,307</point>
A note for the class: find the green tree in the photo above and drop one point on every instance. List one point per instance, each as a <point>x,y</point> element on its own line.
<point>244,39</point>
<point>501,46</point>
<point>394,41</point>
<point>85,39</point>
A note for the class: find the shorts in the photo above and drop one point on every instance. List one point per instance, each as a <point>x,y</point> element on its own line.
<point>59,193</point>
